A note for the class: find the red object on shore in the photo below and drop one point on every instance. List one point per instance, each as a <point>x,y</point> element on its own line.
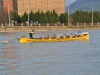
<point>26,22</point>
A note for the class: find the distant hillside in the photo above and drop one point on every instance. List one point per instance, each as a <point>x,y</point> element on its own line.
<point>84,5</point>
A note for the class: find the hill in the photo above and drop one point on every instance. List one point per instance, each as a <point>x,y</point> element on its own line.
<point>84,5</point>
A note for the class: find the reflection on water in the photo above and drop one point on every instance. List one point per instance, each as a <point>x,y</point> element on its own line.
<point>58,58</point>
<point>8,59</point>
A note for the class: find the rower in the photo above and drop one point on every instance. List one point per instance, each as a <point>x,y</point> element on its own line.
<point>48,36</point>
<point>61,36</point>
<point>31,34</point>
<point>40,37</point>
<point>66,36</point>
<point>53,36</point>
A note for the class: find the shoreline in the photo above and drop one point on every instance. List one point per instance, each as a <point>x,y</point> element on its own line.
<point>45,28</point>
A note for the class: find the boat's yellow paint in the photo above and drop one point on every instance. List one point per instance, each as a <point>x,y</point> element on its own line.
<point>28,40</point>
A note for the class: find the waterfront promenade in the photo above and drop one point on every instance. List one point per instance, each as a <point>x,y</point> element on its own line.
<point>46,27</point>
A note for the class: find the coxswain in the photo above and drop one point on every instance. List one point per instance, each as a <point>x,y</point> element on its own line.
<point>31,34</point>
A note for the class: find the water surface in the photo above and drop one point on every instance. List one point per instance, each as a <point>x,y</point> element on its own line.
<point>57,58</point>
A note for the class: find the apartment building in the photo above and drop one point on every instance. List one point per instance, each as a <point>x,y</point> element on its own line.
<point>5,5</point>
<point>22,6</point>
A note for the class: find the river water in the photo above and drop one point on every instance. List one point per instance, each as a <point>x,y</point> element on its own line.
<point>57,58</point>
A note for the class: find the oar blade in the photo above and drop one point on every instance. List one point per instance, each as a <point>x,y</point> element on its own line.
<point>6,41</point>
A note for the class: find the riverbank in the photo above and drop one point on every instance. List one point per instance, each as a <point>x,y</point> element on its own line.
<point>45,28</point>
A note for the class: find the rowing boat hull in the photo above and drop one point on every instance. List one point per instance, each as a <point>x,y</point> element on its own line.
<point>28,40</point>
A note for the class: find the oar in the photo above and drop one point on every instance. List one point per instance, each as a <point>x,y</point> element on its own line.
<point>6,41</point>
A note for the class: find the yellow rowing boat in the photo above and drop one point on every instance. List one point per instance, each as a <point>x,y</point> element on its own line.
<point>85,36</point>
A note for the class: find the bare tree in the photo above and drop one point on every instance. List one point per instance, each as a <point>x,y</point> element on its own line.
<point>3,17</point>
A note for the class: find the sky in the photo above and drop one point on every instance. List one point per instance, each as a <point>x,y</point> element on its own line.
<point>68,2</point>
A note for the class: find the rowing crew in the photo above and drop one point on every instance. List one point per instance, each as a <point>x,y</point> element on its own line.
<point>59,35</point>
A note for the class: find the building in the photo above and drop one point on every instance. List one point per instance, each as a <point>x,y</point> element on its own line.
<point>5,5</point>
<point>1,6</point>
<point>22,6</point>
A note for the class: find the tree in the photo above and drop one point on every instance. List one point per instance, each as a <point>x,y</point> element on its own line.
<point>4,17</point>
<point>43,18</point>
<point>24,17</point>
<point>16,17</point>
<point>49,17</point>
<point>55,16</point>
<point>37,17</point>
<point>81,17</point>
<point>52,17</point>
<point>63,18</point>
<point>31,16</point>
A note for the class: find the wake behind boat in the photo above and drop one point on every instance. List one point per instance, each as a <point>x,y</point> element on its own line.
<point>76,36</point>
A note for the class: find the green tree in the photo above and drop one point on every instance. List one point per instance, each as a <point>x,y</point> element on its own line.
<point>81,17</point>
<point>31,16</point>
<point>43,18</point>
<point>63,18</point>
<point>55,17</point>
<point>16,17</point>
<point>37,16</point>
<point>51,17</point>
<point>96,16</point>
<point>24,17</point>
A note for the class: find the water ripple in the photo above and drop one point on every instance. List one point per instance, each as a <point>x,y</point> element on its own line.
<point>58,58</point>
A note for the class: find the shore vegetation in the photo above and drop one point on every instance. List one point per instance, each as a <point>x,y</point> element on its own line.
<point>52,17</point>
